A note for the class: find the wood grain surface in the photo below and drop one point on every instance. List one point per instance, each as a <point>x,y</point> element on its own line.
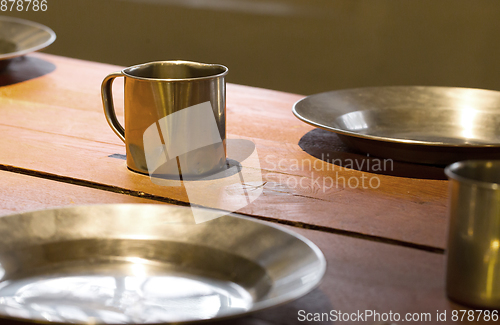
<point>21,193</point>
<point>52,124</point>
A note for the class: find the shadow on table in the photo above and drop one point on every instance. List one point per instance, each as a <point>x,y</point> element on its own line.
<point>328,147</point>
<point>314,302</point>
<point>24,68</point>
<point>238,151</point>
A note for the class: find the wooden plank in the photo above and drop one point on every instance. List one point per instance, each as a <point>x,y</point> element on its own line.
<point>20,193</point>
<point>57,81</point>
<point>408,219</point>
<point>76,142</point>
<point>363,276</point>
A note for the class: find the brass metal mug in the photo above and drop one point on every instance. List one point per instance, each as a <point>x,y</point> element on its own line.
<point>473,253</point>
<point>160,89</point>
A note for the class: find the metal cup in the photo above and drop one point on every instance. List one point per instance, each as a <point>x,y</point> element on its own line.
<point>157,91</point>
<point>473,267</point>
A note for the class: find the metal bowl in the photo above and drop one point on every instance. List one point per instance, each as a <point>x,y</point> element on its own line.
<point>19,37</point>
<point>431,125</point>
<point>128,263</point>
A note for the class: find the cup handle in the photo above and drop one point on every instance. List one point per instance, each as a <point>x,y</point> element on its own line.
<point>107,102</point>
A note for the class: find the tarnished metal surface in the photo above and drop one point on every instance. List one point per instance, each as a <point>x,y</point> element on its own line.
<point>473,271</point>
<point>147,264</point>
<point>434,125</point>
<point>19,37</point>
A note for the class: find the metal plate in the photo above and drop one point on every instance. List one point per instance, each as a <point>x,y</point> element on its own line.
<point>128,263</point>
<point>19,37</point>
<point>432,125</point>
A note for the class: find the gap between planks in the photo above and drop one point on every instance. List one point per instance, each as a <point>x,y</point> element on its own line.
<point>116,189</point>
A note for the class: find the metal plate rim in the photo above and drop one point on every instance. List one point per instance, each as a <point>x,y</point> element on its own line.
<point>379,138</point>
<point>40,27</point>
<point>258,306</point>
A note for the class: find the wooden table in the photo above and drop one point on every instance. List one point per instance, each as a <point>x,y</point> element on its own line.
<point>384,243</point>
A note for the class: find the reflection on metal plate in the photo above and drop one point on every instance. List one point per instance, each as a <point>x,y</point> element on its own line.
<point>19,37</point>
<point>142,263</point>
<point>433,125</point>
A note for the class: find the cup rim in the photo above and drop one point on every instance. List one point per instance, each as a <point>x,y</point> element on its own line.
<point>450,171</point>
<point>126,70</point>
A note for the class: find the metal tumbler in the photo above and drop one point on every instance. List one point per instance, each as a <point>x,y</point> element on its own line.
<point>473,253</point>
<point>168,128</point>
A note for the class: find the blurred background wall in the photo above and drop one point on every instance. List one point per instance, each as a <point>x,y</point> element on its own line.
<point>301,46</point>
